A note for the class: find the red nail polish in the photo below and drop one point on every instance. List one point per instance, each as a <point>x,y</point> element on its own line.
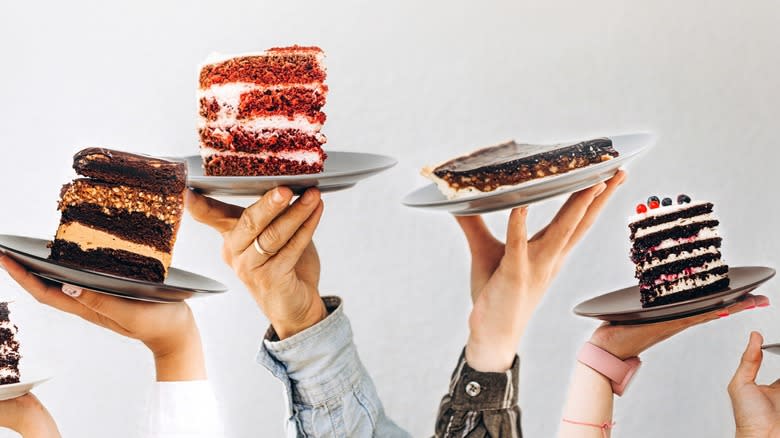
<point>750,307</point>
<point>763,305</point>
<point>723,314</point>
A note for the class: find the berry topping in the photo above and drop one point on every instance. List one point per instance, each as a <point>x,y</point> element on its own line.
<point>654,204</point>
<point>641,208</point>
<point>666,202</point>
<point>683,199</point>
<point>653,198</point>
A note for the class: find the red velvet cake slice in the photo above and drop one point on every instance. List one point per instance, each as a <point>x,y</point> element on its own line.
<point>261,113</point>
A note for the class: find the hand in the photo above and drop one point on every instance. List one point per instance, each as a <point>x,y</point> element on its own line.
<point>756,407</point>
<point>509,280</point>
<point>626,341</point>
<point>27,416</point>
<point>283,280</point>
<point>168,330</point>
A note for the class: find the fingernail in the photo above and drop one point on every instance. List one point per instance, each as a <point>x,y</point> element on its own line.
<point>601,189</point>
<point>750,307</point>
<point>764,304</point>
<point>277,196</point>
<point>71,291</point>
<point>723,314</point>
<point>308,197</point>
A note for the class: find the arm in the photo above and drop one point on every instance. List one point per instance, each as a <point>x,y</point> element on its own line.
<point>27,416</point>
<point>756,407</point>
<point>169,332</point>
<point>309,345</point>
<point>588,409</point>
<point>508,282</point>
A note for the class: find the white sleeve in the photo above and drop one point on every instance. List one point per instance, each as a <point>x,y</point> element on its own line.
<point>183,410</point>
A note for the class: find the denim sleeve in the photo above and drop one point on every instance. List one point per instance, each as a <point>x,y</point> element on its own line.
<point>329,392</point>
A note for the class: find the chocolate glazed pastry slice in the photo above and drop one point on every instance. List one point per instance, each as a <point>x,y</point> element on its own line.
<point>153,174</point>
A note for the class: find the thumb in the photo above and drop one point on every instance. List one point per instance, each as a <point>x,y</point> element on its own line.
<point>218,215</point>
<point>751,361</point>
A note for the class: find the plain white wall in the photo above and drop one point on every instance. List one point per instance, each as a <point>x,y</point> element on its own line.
<point>421,81</point>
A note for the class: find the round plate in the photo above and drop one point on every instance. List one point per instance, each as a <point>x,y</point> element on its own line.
<point>629,146</point>
<point>180,285</point>
<point>342,171</point>
<point>771,348</point>
<point>623,306</point>
<point>14,390</point>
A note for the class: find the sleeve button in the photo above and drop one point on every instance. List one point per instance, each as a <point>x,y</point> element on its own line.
<point>473,389</point>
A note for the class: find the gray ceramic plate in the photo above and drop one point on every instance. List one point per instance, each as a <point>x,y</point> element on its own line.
<point>180,285</point>
<point>342,171</point>
<point>623,306</point>
<point>629,146</point>
<point>771,348</point>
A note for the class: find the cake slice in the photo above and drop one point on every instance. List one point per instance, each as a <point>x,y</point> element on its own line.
<point>122,218</point>
<point>261,113</point>
<point>676,249</point>
<point>9,348</point>
<point>509,164</point>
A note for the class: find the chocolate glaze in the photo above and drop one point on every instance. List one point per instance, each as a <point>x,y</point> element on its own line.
<point>117,167</point>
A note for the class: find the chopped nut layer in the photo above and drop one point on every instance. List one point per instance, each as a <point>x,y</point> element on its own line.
<point>167,208</point>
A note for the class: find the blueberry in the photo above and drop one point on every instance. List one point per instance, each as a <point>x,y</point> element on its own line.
<point>666,202</point>
<point>683,199</point>
<point>653,199</point>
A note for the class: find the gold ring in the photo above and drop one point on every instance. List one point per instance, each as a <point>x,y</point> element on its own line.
<point>261,250</point>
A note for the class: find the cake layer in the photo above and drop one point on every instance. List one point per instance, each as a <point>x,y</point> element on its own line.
<point>86,239</point>
<point>680,264</point>
<point>679,232</point>
<point>151,174</point>
<point>236,138</point>
<point>511,163</point>
<point>9,348</point>
<point>668,213</point>
<point>672,283</point>
<point>266,102</point>
<point>128,225</point>
<point>289,65</point>
<point>259,124</point>
<point>650,300</point>
<point>110,261</point>
<point>686,250</point>
<point>642,232</point>
<point>672,246</point>
<point>252,165</point>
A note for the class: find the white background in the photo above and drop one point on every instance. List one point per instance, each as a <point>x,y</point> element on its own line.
<point>420,81</point>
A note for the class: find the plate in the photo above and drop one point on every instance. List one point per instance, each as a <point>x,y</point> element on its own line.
<point>14,390</point>
<point>342,171</point>
<point>180,285</point>
<point>623,306</point>
<point>771,348</point>
<point>628,145</point>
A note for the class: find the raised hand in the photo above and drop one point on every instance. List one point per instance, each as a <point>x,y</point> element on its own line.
<point>168,330</point>
<point>269,246</point>
<point>508,280</point>
<point>756,407</point>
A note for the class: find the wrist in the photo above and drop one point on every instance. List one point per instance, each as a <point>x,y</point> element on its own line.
<point>490,356</point>
<point>311,317</point>
<point>181,361</point>
<point>614,348</point>
<point>34,420</point>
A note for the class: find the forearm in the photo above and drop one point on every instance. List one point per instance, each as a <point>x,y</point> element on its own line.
<point>182,362</point>
<point>31,419</point>
<point>590,401</point>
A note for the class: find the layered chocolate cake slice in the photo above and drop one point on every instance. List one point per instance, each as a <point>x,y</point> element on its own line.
<point>9,348</point>
<point>676,249</point>
<point>123,217</point>
<point>261,113</point>
<point>509,164</point>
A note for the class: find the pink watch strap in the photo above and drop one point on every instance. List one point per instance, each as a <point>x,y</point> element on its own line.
<point>619,372</point>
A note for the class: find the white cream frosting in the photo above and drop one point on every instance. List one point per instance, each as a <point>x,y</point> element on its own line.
<point>660,211</point>
<point>703,234</point>
<point>298,122</point>
<point>689,283</point>
<point>684,255</point>
<point>642,232</point>
<point>8,372</point>
<point>228,95</point>
<point>308,157</point>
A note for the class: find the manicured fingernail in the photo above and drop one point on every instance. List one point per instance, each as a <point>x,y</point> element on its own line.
<point>72,291</point>
<point>766,304</point>
<point>308,197</point>
<point>752,306</point>
<point>723,314</point>
<point>277,196</point>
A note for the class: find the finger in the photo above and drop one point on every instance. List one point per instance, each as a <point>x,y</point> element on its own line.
<point>595,209</point>
<point>218,215</point>
<point>275,236</point>
<point>748,302</point>
<point>558,233</point>
<point>40,290</point>
<point>256,218</point>
<point>288,257</point>
<point>750,362</point>
<point>517,236</point>
<point>476,231</point>
<point>111,312</point>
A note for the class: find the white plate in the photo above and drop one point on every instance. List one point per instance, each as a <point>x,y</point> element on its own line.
<point>14,390</point>
<point>628,145</point>
<point>342,171</point>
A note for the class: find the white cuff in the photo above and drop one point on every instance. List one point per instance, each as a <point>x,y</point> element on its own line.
<point>183,410</point>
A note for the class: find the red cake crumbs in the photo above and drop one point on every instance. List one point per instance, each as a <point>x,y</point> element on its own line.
<point>251,166</point>
<point>289,102</point>
<point>292,65</point>
<point>239,140</point>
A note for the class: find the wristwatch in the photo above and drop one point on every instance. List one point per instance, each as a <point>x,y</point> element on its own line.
<point>619,372</point>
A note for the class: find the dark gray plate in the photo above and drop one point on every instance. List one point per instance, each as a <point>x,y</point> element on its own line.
<point>623,306</point>
<point>342,171</point>
<point>629,146</point>
<point>771,348</point>
<point>180,285</point>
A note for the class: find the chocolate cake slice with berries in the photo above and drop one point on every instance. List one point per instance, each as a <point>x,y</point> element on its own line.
<point>676,249</point>
<point>508,164</point>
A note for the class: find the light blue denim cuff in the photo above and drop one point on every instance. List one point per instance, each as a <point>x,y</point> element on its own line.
<point>318,364</point>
